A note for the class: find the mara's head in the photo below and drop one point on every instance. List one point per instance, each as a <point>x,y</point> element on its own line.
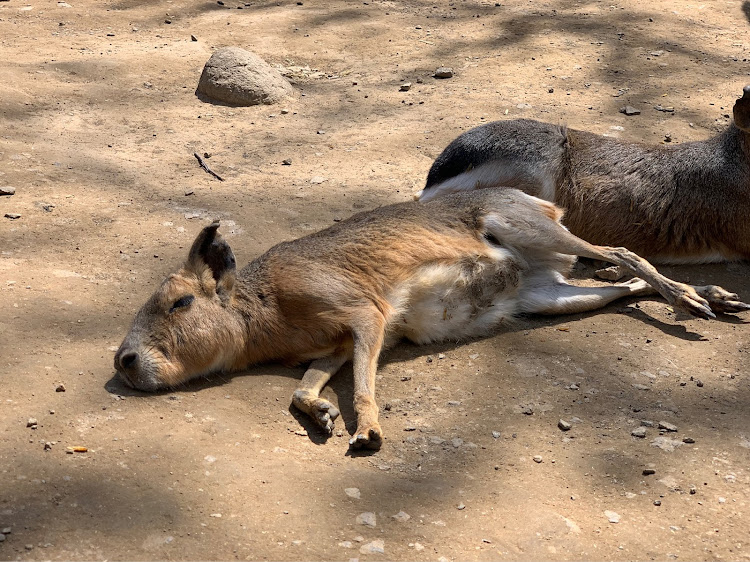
<point>186,328</point>
<point>742,110</point>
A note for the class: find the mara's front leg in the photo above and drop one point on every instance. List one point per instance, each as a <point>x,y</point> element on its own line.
<point>368,342</point>
<point>307,396</point>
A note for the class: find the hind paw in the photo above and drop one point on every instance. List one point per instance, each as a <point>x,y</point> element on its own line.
<point>721,300</point>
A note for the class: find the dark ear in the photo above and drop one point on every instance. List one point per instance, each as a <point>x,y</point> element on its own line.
<point>211,250</point>
<point>742,110</point>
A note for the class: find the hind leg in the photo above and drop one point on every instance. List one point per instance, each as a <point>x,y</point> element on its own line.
<point>558,297</point>
<point>307,397</point>
<point>539,233</point>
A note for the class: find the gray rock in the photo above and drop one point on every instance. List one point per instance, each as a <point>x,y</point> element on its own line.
<point>352,493</point>
<point>639,432</point>
<point>401,516</point>
<point>612,516</point>
<point>665,443</point>
<point>496,434</point>
<point>630,110</point>
<point>12,216</point>
<point>538,458</point>
<point>32,422</point>
<point>405,87</point>
<point>7,190</point>
<point>374,547</point>
<point>668,426</point>
<point>367,518</point>
<point>2,537</point>
<point>443,72</point>
<point>564,425</point>
<point>239,77</point>
<point>6,531</point>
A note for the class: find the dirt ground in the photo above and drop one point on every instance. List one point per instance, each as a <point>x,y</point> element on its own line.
<point>98,125</point>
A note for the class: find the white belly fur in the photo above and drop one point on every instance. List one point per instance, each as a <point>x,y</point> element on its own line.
<point>456,301</point>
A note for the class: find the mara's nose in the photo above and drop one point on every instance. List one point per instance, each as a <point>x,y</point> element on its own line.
<point>125,359</point>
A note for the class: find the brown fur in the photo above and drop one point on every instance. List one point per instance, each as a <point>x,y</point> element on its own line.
<point>682,203</point>
<point>453,268</point>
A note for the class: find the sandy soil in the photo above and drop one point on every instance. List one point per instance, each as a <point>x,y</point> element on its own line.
<point>98,125</point>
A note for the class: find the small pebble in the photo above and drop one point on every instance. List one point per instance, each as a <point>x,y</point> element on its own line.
<point>657,503</point>
<point>352,493</point>
<point>639,432</point>
<point>688,440</point>
<point>12,216</point>
<point>443,72</point>
<point>32,423</point>
<point>287,161</point>
<point>538,458</point>
<point>189,192</point>
<point>6,531</point>
<point>496,434</point>
<point>193,38</point>
<point>460,506</point>
<point>648,471</point>
<point>321,132</point>
<point>7,190</point>
<point>698,383</point>
<point>405,87</point>
<point>692,489</point>
<point>2,537</point>
<point>48,446</point>
<point>59,387</point>
<point>564,425</point>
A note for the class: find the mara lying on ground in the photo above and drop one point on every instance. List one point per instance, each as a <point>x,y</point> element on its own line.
<point>450,269</point>
<point>686,203</point>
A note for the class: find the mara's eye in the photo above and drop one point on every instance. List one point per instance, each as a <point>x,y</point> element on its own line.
<point>182,302</point>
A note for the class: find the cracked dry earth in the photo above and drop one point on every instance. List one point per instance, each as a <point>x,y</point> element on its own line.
<point>98,125</point>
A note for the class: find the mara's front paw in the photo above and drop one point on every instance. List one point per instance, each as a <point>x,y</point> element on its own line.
<point>721,300</point>
<point>319,409</point>
<point>367,437</point>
